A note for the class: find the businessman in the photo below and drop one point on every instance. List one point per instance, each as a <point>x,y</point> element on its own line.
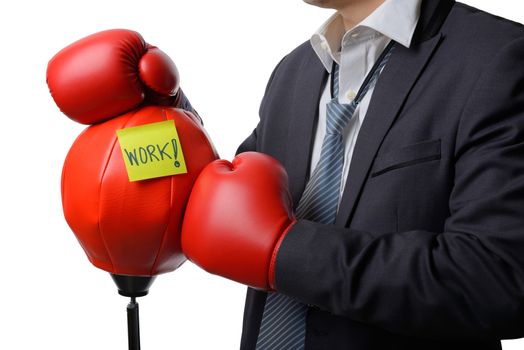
<point>400,125</point>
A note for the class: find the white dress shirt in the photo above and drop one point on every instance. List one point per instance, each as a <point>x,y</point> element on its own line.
<point>356,52</point>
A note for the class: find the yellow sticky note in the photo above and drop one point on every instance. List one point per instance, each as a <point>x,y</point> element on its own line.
<point>152,150</point>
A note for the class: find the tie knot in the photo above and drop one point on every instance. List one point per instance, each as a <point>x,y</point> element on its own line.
<point>338,116</point>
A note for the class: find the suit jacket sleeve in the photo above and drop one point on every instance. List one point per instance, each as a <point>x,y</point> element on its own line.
<point>250,143</point>
<point>465,282</point>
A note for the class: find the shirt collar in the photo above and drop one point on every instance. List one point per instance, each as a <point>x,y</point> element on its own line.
<point>395,19</point>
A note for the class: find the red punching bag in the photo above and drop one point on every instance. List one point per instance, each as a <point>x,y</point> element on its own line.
<point>130,229</point>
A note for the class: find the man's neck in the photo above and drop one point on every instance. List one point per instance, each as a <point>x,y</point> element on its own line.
<point>354,12</point>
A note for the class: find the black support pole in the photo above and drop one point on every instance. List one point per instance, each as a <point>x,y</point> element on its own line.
<point>133,325</point>
<point>133,287</point>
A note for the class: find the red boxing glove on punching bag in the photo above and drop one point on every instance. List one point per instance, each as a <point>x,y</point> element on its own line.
<point>109,73</point>
<point>236,217</point>
<point>125,228</point>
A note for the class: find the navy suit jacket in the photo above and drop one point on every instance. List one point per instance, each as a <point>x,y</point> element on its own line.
<point>427,251</point>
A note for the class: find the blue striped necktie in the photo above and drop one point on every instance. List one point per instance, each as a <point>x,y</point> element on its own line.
<point>284,318</point>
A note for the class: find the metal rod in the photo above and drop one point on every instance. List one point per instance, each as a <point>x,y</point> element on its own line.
<point>133,328</point>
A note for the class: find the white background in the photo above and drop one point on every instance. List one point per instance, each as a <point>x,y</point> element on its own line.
<point>50,295</point>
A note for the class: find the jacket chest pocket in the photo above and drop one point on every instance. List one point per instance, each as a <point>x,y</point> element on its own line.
<point>408,155</point>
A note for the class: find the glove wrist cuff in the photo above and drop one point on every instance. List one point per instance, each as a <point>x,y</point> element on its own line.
<point>271,274</point>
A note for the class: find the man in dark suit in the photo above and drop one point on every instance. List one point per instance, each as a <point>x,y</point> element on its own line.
<point>427,247</point>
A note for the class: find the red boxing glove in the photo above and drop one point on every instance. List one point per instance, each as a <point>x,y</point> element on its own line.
<point>236,217</point>
<point>109,73</point>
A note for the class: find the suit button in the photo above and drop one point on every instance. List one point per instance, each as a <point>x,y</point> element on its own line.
<point>318,332</point>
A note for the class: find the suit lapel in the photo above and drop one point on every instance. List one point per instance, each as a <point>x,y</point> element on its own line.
<point>308,89</point>
<point>392,88</point>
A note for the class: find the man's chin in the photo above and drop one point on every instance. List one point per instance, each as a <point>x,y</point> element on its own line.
<point>332,4</point>
<point>320,3</point>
